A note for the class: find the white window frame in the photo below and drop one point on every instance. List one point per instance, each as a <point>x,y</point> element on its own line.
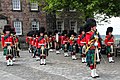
<point>75,28</point>
<point>18,27</point>
<point>72,10</point>
<point>16,4</point>
<point>62,25</point>
<point>60,10</point>
<point>34,6</point>
<point>35,23</point>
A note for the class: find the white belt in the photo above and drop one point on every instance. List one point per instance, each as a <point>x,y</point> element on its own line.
<point>7,42</point>
<point>41,44</point>
<point>110,42</point>
<point>82,42</point>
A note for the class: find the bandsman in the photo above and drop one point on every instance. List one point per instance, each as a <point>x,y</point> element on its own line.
<point>92,46</point>
<point>109,42</point>
<point>7,44</point>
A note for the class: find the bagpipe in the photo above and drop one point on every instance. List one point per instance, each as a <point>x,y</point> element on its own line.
<point>94,42</point>
<point>16,46</point>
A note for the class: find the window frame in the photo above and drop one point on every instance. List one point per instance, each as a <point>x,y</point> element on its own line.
<point>62,27</point>
<point>20,6</point>
<point>37,23</point>
<point>21,28</point>
<point>75,28</point>
<point>34,10</point>
<point>60,10</point>
<point>72,10</point>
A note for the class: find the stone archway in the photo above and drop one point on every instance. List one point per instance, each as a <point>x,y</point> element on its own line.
<point>3,21</point>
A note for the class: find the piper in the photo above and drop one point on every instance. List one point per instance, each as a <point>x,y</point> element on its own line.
<point>42,47</point>
<point>91,43</point>
<point>64,42</point>
<point>7,43</point>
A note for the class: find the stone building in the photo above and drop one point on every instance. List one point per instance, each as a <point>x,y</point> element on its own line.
<point>66,19</point>
<point>26,16</point>
<point>22,15</point>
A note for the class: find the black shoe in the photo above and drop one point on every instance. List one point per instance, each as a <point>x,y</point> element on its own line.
<point>34,57</point>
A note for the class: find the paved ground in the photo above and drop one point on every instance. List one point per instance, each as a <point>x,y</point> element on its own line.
<point>58,68</point>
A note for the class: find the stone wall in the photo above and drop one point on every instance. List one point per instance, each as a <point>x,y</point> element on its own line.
<point>25,15</point>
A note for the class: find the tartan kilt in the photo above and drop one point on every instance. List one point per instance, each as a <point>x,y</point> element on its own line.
<point>80,49</point>
<point>108,49</point>
<point>90,57</point>
<point>70,48</point>
<point>5,51</point>
<point>40,51</point>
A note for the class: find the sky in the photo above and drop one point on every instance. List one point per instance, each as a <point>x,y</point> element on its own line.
<point>114,22</point>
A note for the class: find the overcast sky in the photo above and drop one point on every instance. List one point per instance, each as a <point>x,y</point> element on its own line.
<point>115,23</point>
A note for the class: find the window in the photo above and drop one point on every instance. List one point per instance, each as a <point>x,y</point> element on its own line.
<point>16,4</point>
<point>34,6</point>
<point>72,10</point>
<point>60,26</point>
<point>60,10</point>
<point>18,27</point>
<point>35,25</point>
<point>73,25</point>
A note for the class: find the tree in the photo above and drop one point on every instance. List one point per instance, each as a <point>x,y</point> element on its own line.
<point>87,7</point>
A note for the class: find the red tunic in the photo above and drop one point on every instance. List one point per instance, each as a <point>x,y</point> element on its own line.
<point>109,40</point>
<point>41,42</point>
<point>88,38</point>
<point>16,40</point>
<point>5,38</point>
<point>81,40</point>
<point>71,41</point>
<point>54,38</point>
<point>29,40</point>
<point>64,39</point>
<point>51,39</point>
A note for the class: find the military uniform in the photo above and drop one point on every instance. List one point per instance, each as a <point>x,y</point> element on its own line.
<point>72,46</point>
<point>16,46</point>
<point>29,40</point>
<point>64,42</point>
<point>50,42</point>
<point>56,39</point>
<point>109,42</point>
<point>82,44</point>
<point>35,44</point>
<point>7,43</point>
<point>42,47</point>
<point>92,46</point>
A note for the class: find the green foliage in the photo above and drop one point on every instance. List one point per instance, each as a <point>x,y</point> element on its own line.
<point>88,7</point>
